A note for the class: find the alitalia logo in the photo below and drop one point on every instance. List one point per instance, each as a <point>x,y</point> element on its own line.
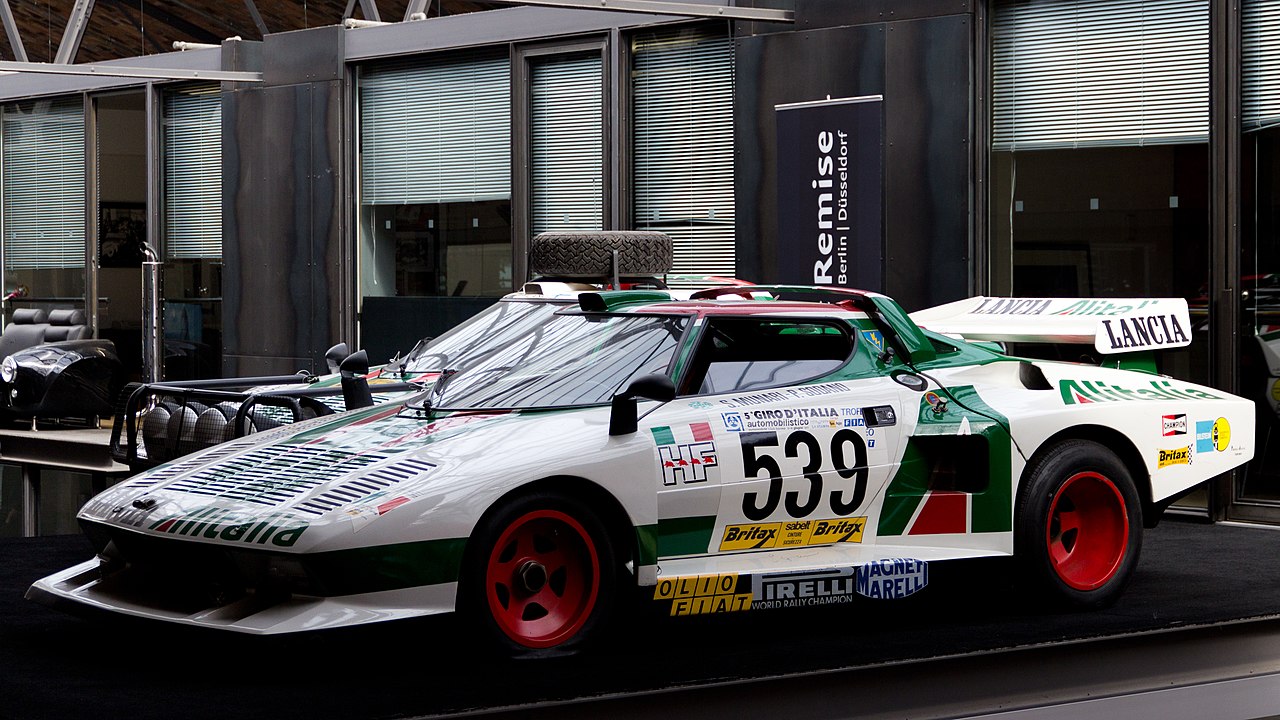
<point>219,524</point>
<point>1075,392</point>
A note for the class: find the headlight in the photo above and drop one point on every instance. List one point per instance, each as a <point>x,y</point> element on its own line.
<point>8,369</point>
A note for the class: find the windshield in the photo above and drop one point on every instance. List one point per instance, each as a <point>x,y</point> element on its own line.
<point>570,360</point>
<point>492,327</point>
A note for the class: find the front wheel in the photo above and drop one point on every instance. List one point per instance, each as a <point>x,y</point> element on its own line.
<point>542,577</point>
<point>1079,524</point>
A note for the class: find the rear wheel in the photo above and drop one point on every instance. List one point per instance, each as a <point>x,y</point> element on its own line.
<point>542,576</point>
<point>1079,529</point>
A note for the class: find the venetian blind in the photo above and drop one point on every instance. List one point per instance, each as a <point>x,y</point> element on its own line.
<point>192,151</point>
<point>436,130</point>
<point>1087,73</point>
<point>566,144</point>
<point>43,199</point>
<point>683,145</point>
<point>1260,56</point>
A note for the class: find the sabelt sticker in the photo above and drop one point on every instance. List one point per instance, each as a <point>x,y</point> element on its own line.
<point>1174,456</point>
<point>1171,425</point>
<point>793,533</point>
<point>892,579</point>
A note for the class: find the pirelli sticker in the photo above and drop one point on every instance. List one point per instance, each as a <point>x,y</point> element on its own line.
<point>792,533</point>
<point>705,594</point>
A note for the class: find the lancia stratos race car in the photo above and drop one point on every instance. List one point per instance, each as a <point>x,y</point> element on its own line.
<point>745,449</point>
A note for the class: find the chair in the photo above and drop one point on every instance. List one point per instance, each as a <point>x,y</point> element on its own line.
<point>26,329</point>
<point>66,325</point>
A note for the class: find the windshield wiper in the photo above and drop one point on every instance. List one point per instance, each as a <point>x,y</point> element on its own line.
<point>422,402</point>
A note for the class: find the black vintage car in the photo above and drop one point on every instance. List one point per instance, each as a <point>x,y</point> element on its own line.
<point>51,368</point>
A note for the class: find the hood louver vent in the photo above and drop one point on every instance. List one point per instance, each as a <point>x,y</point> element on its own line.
<point>273,475</point>
<point>365,485</point>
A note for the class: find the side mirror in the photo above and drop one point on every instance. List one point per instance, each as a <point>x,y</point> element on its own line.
<point>623,418</point>
<point>355,387</point>
<point>334,356</point>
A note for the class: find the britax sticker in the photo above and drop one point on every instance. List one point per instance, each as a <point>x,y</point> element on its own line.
<point>1175,456</point>
<point>793,533</point>
<point>1171,425</point>
<point>892,579</point>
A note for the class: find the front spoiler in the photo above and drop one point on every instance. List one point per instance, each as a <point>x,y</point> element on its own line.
<point>82,586</point>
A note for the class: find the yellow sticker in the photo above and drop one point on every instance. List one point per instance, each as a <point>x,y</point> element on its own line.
<point>1221,434</point>
<point>1176,456</point>
<point>840,530</point>
<point>750,537</point>
<point>793,533</point>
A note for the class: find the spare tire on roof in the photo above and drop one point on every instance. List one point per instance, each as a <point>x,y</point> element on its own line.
<point>590,254</point>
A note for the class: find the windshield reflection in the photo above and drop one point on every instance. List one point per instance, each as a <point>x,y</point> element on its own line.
<point>491,328</point>
<point>569,360</point>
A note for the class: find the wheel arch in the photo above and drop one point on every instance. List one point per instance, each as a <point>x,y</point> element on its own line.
<point>1117,442</point>
<point>611,513</point>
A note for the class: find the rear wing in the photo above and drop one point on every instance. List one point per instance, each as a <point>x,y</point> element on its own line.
<point>1112,325</point>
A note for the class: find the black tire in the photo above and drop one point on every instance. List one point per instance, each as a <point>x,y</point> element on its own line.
<point>1078,530</point>
<point>590,254</point>
<point>540,577</point>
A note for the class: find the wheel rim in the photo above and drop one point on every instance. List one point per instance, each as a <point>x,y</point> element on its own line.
<point>542,579</point>
<point>1088,531</point>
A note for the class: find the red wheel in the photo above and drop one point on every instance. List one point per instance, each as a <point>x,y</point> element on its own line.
<point>542,578</point>
<point>1079,523</point>
<point>1088,531</point>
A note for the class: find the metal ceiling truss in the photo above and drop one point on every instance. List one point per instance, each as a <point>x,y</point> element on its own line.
<point>721,9</point>
<point>416,9</point>
<point>11,30</point>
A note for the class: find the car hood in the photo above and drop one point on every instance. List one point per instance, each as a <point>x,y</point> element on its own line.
<point>276,489</point>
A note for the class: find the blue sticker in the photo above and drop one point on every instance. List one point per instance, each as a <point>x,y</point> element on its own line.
<point>732,422</point>
<point>875,338</point>
<point>1204,436</point>
<point>892,579</point>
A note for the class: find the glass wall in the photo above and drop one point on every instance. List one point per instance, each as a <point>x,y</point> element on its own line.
<point>192,220</point>
<point>1259,351</point>
<point>566,143</point>
<point>435,176</point>
<point>1100,162</point>
<point>682,144</point>
<point>42,153</point>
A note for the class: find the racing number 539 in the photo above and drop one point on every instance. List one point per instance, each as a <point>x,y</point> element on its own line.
<point>756,458</point>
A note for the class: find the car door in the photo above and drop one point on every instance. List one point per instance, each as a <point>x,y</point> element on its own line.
<point>799,459</point>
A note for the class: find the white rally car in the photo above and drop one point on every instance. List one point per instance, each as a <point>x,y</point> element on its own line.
<point>745,449</point>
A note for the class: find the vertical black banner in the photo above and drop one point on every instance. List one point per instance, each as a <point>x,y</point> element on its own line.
<point>830,193</point>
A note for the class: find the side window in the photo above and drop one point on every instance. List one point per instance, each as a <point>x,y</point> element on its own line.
<point>741,354</point>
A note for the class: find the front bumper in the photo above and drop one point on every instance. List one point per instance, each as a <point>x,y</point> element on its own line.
<point>86,585</point>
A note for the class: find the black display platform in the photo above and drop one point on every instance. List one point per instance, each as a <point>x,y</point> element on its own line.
<point>62,666</point>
